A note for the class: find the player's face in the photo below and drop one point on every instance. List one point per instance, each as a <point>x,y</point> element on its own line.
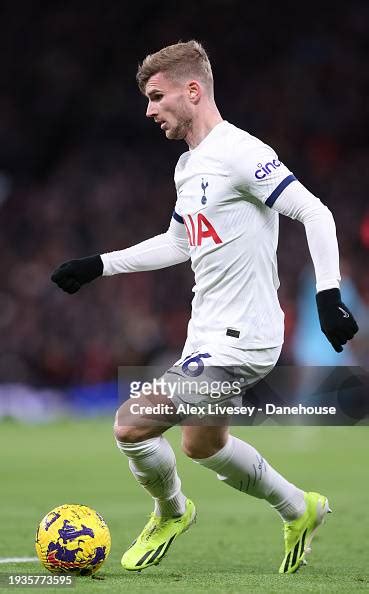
<point>169,105</point>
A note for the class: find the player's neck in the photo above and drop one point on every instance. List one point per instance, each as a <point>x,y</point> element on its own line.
<point>202,124</point>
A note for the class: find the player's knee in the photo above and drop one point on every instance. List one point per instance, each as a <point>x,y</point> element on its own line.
<point>130,433</point>
<point>125,429</point>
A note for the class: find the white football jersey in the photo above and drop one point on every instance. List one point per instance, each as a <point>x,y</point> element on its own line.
<point>226,187</point>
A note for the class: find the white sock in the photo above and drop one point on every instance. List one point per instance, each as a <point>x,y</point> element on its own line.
<point>153,464</point>
<point>239,465</point>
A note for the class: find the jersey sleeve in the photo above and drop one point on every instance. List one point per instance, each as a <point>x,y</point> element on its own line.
<point>297,202</point>
<point>161,251</point>
<point>258,173</point>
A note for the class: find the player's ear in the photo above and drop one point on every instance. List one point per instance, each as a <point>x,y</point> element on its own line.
<point>194,91</point>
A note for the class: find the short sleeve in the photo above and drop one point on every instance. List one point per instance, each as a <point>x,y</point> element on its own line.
<point>258,173</point>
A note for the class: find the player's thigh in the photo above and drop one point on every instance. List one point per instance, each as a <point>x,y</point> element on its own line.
<point>202,441</point>
<point>144,417</point>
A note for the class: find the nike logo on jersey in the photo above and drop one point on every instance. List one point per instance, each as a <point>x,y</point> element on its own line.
<point>200,229</point>
<point>345,313</point>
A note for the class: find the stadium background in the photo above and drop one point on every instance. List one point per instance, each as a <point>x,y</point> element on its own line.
<point>82,171</point>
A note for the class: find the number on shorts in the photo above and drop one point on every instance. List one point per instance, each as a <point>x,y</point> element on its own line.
<point>199,362</point>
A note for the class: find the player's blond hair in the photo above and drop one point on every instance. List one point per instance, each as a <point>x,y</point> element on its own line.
<point>180,61</point>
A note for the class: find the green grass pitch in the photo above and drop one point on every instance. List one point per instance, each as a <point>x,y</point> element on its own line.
<point>236,544</point>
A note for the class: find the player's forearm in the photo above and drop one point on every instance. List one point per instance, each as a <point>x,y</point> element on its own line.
<point>298,203</point>
<point>321,236</point>
<point>157,252</point>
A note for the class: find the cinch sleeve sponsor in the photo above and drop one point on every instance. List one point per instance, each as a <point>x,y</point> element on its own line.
<point>259,173</point>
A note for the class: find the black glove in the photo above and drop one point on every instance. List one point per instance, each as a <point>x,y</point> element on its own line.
<point>336,320</point>
<point>70,276</point>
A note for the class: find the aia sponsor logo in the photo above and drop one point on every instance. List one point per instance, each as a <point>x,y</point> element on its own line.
<point>200,228</point>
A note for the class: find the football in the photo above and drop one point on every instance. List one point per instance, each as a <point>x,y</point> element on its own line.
<point>74,539</point>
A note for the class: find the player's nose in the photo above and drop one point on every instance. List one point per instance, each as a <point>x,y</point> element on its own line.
<point>151,111</point>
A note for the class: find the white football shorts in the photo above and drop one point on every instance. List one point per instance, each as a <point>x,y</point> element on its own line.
<point>217,373</point>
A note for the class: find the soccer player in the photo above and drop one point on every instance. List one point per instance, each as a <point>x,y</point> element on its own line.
<point>231,188</point>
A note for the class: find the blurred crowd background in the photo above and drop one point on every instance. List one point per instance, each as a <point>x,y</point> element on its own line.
<point>82,171</point>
